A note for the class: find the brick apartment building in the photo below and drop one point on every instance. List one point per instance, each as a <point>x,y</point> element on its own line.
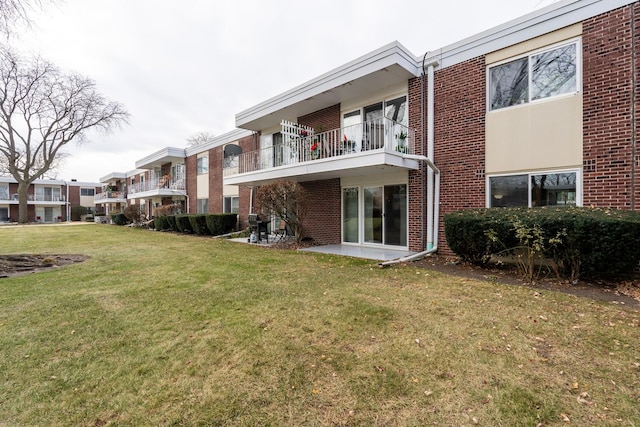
<point>539,111</point>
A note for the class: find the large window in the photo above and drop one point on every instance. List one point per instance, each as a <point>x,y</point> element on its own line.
<point>541,74</point>
<point>202,164</point>
<point>231,204</point>
<point>203,206</point>
<point>4,192</point>
<point>87,191</point>
<point>48,194</point>
<point>534,189</point>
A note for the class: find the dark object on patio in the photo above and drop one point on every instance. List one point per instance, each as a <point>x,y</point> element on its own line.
<point>258,227</point>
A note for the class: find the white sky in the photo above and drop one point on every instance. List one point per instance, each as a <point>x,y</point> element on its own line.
<point>185,67</point>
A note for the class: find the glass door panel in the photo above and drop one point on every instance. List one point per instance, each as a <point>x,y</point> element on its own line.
<point>373,215</point>
<point>350,215</point>
<point>373,127</point>
<point>395,215</point>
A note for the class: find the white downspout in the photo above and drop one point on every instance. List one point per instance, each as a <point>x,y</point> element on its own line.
<point>433,175</point>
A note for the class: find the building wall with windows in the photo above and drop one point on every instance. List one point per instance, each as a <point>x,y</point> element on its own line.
<point>563,135</point>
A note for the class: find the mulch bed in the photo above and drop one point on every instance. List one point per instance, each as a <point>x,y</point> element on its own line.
<point>20,264</point>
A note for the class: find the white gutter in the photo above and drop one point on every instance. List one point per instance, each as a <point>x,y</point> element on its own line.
<point>433,188</point>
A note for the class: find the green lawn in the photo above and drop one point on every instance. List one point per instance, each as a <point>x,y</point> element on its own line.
<point>163,329</point>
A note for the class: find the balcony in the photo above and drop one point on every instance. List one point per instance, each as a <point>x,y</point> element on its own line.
<point>32,198</point>
<point>110,197</point>
<point>305,155</point>
<point>162,187</point>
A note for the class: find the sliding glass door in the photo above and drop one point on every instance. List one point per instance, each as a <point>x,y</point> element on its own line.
<point>375,215</point>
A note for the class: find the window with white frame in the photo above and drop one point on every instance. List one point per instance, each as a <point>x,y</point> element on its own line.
<point>48,194</point>
<point>541,74</point>
<point>4,191</point>
<point>534,189</point>
<point>231,204</point>
<point>87,191</point>
<point>202,206</point>
<point>202,164</point>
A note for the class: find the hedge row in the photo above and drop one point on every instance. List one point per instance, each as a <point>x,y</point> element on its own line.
<point>590,242</point>
<point>203,224</point>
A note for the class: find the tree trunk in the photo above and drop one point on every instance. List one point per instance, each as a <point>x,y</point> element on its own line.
<point>23,207</point>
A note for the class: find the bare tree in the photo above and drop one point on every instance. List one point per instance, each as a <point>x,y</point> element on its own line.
<point>14,12</point>
<point>42,110</point>
<point>200,138</point>
<point>286,199</point>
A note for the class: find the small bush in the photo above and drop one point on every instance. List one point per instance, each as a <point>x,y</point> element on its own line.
<point>183,223</point>
<point>119,219</point>
<point>221,223</point>
<point>161,223</point>
<point>199,223</point>
<point>171,219</point>
<point>77,212</point>
<point>590,242</point>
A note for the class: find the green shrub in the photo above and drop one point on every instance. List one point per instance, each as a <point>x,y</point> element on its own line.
<point>591,242</point>
<point>171,219</point>
<point>199,223</point>
<point>221,223</point>
<point>119,219</point>
<point>161,223</point>
<point>183,224</point>
<point>77,212</point>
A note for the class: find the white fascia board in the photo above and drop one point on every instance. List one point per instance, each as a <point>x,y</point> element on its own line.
<point>83,184</point>
<point>534,24</point>
<point>113,176</point>
<point>165,153</point>
<point>223,139</point>
<point>392,54</point>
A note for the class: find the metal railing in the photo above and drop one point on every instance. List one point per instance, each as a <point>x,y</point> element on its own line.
<point>110,195</point>
<point>157,184</point>
<point>33,198</point>
<point>380,135</point>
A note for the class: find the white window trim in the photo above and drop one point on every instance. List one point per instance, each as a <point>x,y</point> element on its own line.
<point>576,40</point>
<point>578,173</point>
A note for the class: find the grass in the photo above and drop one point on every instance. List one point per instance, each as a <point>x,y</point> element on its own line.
<point>163,329</point>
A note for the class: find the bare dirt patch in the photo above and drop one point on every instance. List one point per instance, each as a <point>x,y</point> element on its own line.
<point>20,264</point>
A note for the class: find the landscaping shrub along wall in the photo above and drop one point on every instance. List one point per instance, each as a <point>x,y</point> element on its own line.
<point>204,224</point>
<point>591,242</point>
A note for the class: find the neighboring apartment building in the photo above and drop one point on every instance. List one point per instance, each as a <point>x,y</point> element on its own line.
<point>191,178</point>
<point>539,111</point>
<point>49,200</point>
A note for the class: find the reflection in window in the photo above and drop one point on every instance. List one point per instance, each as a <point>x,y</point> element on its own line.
<point>202,206</point>
<point>202,165</point>
<point>555,189</point>
<point>531,190</point>
<point>509,191</point>
<point>536,76</point>
<point>509,84</point>
<point>554,72</point>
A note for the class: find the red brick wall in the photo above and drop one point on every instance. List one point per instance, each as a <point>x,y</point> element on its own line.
<point>417,179</point>
<point>460,138</point>
<point>191,174</point>
<point>215,180</point>
<point>322,222</point>
<point>322,120</point>
<point>249,143</point>
<point>609,64</point>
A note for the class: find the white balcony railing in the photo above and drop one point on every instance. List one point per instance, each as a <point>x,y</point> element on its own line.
<point>109,195</point>
<point>380,134</point>
<point>157,185</point>
<point>33,198</point>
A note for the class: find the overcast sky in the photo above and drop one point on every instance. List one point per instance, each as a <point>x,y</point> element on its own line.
<point>185,67</point>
